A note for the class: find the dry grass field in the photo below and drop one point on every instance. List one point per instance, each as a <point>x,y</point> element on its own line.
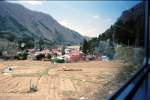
<point>68,81</point>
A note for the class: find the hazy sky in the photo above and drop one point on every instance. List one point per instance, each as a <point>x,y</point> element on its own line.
<point>89,18</point>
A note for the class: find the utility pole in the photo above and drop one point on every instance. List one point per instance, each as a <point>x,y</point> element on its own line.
<point>113,37</point>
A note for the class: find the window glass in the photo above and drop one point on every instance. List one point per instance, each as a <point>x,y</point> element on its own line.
<point>69,50</point>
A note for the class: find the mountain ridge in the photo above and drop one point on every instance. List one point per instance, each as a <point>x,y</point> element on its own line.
<point>21,21</point>
<point>129,27</point>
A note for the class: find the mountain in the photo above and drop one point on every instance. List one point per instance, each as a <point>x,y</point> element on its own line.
<point>129,28</point>
<point>18,22</point>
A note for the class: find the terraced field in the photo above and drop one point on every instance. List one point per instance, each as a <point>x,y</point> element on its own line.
<point>69,81</point>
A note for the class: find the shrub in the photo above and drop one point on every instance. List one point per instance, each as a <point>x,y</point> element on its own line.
<point>39,56</point>
<point>22,55</point>
<point>49,56</point>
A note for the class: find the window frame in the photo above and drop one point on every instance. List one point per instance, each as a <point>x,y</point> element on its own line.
<point>130,88</point>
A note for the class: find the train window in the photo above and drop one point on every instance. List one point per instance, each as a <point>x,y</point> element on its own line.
<point>71,50</point>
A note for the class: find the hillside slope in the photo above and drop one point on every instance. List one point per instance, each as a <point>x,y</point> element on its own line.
<point>129,28</point>
<point>20,22</point>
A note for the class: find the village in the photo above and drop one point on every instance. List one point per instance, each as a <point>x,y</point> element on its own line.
<point>59,73</point>
<point>61,54</point>
<point>65,72</point>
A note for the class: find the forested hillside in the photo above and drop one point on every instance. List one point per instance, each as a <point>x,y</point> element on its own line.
<point>128,29</point>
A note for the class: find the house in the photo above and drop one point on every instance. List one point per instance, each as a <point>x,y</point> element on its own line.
<point>56,51</point>
<point>73,55</point>
<point>75,47</point>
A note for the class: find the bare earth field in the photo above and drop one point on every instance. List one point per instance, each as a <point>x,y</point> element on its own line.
<point>68,81</point>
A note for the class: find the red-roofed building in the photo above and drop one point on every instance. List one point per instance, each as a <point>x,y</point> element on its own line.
<point>73,55</point>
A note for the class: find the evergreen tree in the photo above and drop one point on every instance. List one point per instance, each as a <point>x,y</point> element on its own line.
<point>85,47</point>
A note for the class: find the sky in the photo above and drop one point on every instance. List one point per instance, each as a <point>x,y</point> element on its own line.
<point>89,18</point>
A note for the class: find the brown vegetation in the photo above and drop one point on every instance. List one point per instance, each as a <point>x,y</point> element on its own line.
<point>53,84</point>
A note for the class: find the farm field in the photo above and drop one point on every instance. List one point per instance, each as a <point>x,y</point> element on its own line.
<point>67,81</point>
